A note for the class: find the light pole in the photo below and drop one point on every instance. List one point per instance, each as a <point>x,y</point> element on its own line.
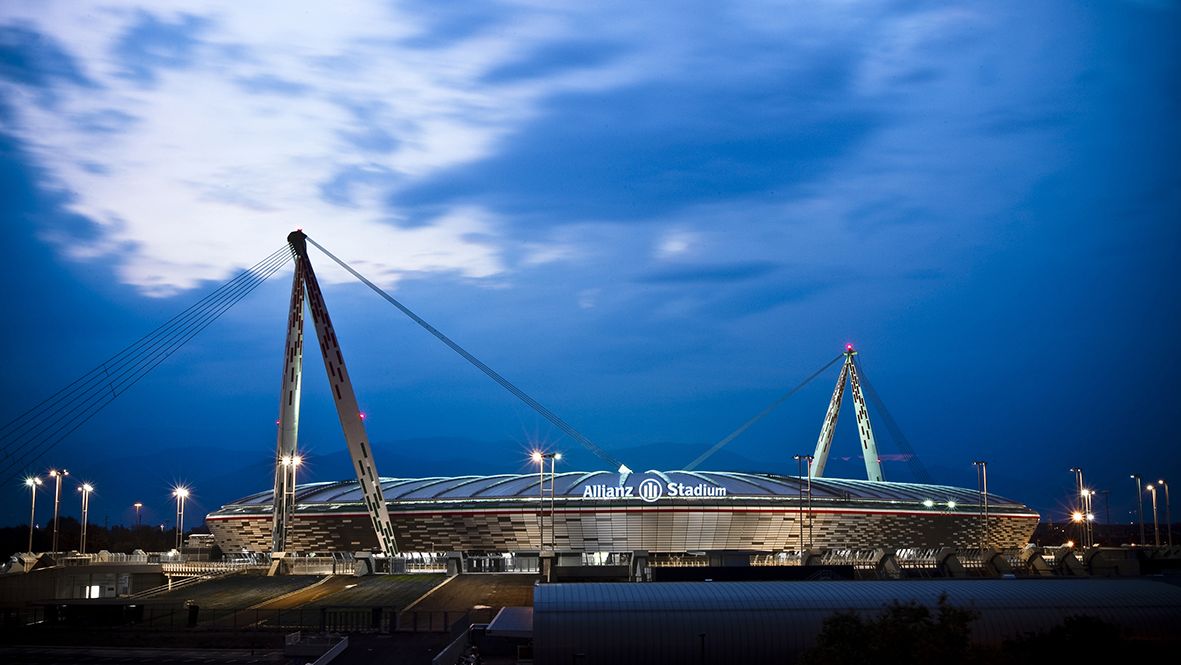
<point>553,522</point>
<point>32,483</point>
<point>539,458</point>
<point>1155,524</point>
<point>982,486</point>
<point>1168,512</point>
<point>289,464</point>
<point>800,478</point>
<point>85,489</point>
<point>1089,515</point>
<point>138,521</point>
<point>1082,509</point>
<point>1139,506</point>
<point>181,493</point>
<point>809,458</point>
<point>57,497</point>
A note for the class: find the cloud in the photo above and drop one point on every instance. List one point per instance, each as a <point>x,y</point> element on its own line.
<point>732,272</point>
<point>419,139</point>
<point>195,137</point>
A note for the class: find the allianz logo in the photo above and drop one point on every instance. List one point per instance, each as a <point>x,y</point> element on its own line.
<point>652,490</point>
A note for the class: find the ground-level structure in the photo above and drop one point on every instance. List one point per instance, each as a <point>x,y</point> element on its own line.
<point>774,622</point>
<point>654,511</point>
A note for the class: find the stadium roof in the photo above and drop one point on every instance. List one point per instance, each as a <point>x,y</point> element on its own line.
<point>570,485</point>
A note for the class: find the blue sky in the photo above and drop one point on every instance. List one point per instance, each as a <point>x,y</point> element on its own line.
<point>654,219</point>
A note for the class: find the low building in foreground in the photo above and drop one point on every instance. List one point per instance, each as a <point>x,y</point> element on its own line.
<point>659,512</point>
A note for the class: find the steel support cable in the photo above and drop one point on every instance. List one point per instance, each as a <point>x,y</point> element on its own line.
<point>79,413</point>
<point>117,382</point>
<point>760,415</point>
<point>557,421</point>
<point>82,413</point>
<point>916,465</point>
<point>109,376</point>
<point>14,426</point>
<point>196,320</point>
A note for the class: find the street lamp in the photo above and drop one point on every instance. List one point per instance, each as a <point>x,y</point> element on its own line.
<point>1082,507</point>
<point>1168,511</point>
<point>57,497</point>
<point>800,480</point>
<point>539,458</point>
<point>32,483</point>
<point>553,462</point>
<point>1139,506</point>
<point>1155,524</point>
<point>1088,516</point>
<point>181,493</point>
<point>982,486</point>
<point>138,522</point>
<point>288,465</point>
<point>85,489</point>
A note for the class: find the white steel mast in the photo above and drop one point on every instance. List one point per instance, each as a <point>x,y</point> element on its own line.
<point>351,419</point>
<point>869,447</point>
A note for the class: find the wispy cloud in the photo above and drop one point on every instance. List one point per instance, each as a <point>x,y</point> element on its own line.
<point>195,137</point>
<point>416,138</point>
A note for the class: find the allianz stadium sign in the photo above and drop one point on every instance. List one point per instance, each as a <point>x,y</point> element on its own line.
<point>652,490</point>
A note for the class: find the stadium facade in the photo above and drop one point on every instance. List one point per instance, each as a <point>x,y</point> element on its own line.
<point>665,512</point>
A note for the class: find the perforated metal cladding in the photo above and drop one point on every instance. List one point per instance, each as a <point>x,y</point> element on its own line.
<point>619,529</point>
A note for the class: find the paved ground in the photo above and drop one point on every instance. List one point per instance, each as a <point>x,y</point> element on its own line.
<point>46,655</point>
<point>397,649</point>
<point>308,595</point>
<point>237,591</point>
<point>395,591</point>
<point>494,590</point>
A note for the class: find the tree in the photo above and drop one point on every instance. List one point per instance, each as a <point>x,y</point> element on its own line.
<point>903,633</point>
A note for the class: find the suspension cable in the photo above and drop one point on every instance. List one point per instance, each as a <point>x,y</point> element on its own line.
<point>557,421</point>
<point>760,415</point>
<point>116,361</point>
<point>917,468</point>
<point>39,429</point>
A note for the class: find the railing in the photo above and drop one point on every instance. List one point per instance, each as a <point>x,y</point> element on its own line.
<point>679,562</point>
<point>336,563</point>
<point>102,557</point>
<point>778,559</point>
<point>195,573</point>
<point>859,559</point>
<point>972,561</point>
<point>208,567</point>
<point>917,559</point>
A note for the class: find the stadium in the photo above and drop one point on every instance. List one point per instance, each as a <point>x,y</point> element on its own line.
<point>669,512</point>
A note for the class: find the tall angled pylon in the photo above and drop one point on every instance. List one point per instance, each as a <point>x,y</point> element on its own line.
<point>869,447</point>
<point>304,284</point>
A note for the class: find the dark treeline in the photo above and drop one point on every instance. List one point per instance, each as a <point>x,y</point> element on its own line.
<point>117,538</point>
<point>914,634</point>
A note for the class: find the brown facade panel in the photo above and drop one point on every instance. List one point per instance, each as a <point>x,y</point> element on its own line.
<point>619,531</point>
